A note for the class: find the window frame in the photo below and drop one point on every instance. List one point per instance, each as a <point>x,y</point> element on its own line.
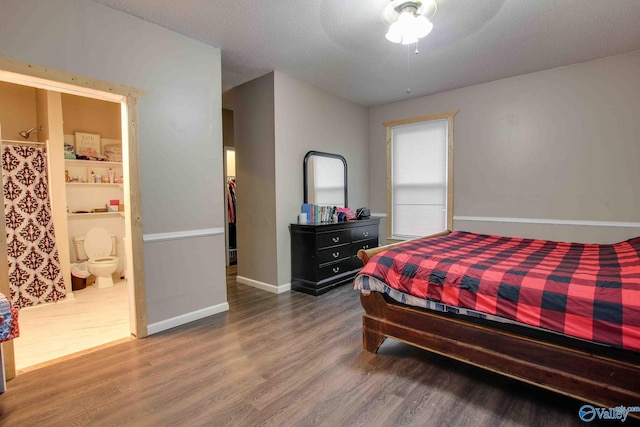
<point>449,116</point>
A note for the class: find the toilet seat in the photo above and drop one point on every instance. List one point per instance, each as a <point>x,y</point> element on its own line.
<point>103,260</point>
<point>98,245</point>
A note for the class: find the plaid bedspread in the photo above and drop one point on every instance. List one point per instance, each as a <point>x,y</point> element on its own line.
<point>587,291</point>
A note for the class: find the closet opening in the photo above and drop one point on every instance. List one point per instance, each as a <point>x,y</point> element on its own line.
<point>230,212</point>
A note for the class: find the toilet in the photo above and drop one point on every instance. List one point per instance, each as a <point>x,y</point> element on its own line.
<point>98,247</point>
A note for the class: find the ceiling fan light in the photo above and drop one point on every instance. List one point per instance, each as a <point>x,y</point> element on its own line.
<point>405,27</point>
<point>422,26</point>
<point>394,34</point>
<point>407,20</point>
<point>409,38</point>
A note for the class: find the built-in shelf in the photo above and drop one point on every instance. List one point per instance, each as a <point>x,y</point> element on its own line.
<point>95,214</point>
<point>94,184</point>
<point>90,195</point>
<point>91,163</point>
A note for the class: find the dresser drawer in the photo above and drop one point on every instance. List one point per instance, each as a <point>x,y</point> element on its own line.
<point>333,238</point>
<point>322,255</point>
<point>333,254</point>
<point>363,244</point>
<point>335,268</point>
<point>364,233</point>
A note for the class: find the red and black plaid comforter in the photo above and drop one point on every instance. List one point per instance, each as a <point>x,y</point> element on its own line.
<point>587,291</point>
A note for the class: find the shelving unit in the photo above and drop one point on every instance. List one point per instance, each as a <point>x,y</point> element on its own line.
<point>87,196</point>
<point>92,163</point>
<point>94,215</point>
<point>91,184</point>
<point>81,168</point>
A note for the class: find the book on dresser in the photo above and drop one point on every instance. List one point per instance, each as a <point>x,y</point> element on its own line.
<point>324,256</point>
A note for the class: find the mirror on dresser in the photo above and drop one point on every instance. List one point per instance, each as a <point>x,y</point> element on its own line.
<point>325,179</point>
<point>324,255</point>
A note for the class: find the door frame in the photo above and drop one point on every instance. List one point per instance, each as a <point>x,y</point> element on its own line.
<point>61,81</point>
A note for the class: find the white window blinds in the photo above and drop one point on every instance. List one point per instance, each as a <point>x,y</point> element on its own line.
<point>419,178</point>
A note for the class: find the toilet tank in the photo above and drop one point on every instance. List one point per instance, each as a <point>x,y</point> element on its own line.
<point>78,246</point>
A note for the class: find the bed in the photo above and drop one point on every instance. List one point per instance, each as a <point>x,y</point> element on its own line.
<point>517,307</point>
<point>8,331</point>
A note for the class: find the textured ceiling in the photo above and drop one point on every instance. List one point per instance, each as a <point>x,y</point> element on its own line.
<point>339,45</point>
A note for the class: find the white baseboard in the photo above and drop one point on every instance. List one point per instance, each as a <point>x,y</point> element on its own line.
<point>264,286</point>
<point>163,325</point>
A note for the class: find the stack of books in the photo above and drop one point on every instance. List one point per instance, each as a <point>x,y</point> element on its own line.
<point>317,214</point>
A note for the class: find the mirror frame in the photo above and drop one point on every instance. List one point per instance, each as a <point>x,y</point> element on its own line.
<point>306,173</point>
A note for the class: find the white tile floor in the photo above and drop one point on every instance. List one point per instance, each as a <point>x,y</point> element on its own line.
<point>92,318</point>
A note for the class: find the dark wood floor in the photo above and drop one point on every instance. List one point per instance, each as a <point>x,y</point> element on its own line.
<point>277,360</point>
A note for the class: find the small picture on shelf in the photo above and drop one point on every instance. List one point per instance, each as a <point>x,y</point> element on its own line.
<point>87,146</point>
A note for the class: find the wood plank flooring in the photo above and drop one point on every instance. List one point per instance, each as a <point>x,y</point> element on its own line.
<point>274,360</point>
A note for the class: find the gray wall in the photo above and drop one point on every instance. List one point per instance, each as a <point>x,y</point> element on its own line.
<point>228,136</point>
<point>308,118</point>
<point>180,130</point>
<point>255,180</point>
<point>554,146</point>
<point>279,119</point>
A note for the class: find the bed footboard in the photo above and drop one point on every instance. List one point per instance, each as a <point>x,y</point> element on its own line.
<point>607,379</point>
<point>597,379</point>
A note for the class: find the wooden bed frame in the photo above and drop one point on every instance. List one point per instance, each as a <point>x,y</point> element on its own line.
<point>602,376</point>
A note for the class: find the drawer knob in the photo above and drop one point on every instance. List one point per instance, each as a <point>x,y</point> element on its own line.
<point>336,254</point>
<point>336,269</point>
<point>365,234</point>
<point>335,239</point>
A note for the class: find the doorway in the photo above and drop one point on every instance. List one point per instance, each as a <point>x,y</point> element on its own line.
<point>230,212</point>
<point>63,83</point>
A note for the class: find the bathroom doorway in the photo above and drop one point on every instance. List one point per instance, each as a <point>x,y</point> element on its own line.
<point>55,83</point>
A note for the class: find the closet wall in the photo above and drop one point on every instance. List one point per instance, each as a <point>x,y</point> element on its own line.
<point>270,173</point>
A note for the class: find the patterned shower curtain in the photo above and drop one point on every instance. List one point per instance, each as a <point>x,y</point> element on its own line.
<point>35,276</point>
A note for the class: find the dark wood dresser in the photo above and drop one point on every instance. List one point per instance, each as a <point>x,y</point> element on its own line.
<point>325,256</point>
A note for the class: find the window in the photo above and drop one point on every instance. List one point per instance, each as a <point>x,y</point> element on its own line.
<point>420,176</point>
